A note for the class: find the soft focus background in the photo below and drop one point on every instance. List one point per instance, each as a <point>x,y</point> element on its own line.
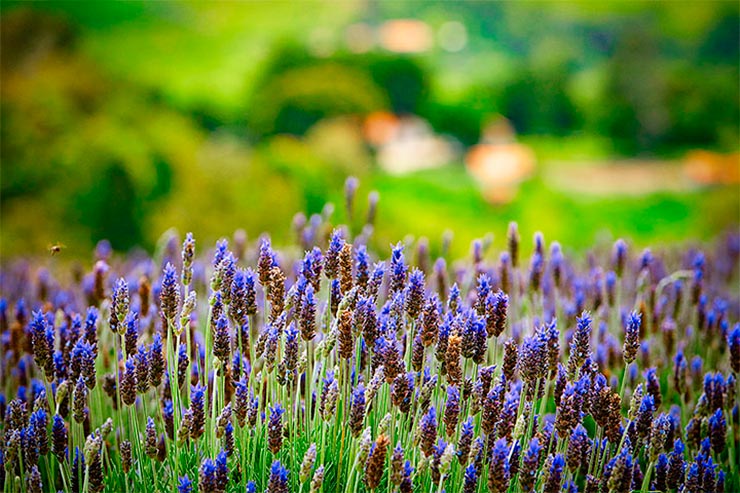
<point>585,120</point>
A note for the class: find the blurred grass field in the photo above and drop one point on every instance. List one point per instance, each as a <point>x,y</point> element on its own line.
<point>122,120</point>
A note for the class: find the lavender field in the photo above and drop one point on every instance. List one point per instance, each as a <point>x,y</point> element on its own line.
<point>325,365</point>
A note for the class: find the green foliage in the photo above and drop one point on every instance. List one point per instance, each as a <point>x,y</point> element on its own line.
<point>88,116</point>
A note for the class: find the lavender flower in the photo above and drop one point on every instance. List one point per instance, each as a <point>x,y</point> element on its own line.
<point>308,314</point>
<point>499,473</point>
<point>733,342</point>
<point>42,339</point>
<point>275,428</point>
<point>376,463</point>
<point>309,459</point>
<point>357,411</point>
<point>632,337</point>
<point>128,383</point>
<point>579,447</point>
<point>398,269</point>
<point>553,473</point>
<point>185,485</point>
<point>580,346</point>
<point>207,476</point>
<point>510,359</point>
<point>718,431</point>
<point>470,479</point>
<point>415,294</point>
<point>197,410</point>
<point>59,438</point>
<point>533,358</point>
<point>170,295</point>
<point>331,259</point>
<point>428,431</point>
<point>119,304</point>
<point>156,361</point>
<point>513,243</point>
<point>452,409</point>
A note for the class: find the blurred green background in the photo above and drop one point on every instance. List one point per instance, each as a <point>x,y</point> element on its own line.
<point>119,120</point>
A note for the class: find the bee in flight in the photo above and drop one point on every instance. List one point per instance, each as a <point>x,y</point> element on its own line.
<point>56,248</point>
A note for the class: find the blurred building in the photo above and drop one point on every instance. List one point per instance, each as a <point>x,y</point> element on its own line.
<point>499,163</point>
<point>712,168</point>
<point>406,143</point>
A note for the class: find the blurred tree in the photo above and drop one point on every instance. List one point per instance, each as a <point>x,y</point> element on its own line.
<point>294,100</point>
<point>636,90</point>
<point>111,208</point>
<point>538,103</point>
<point>402,77</point>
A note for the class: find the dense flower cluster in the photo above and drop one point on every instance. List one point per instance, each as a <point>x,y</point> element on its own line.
<point>254,369</point>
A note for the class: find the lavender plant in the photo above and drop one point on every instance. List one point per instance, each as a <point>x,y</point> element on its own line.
<point>337,370</point>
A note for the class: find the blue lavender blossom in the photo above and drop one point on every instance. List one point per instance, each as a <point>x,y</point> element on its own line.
<point>733,342</point>
<point>470,479</point>
<point>483,289</point>
<point>37,425</point>
<point>313,263</point>
<point>331,259</point>
<point>185,485</point>
<point>619,256</point>
<point>465,441</point>
<point>238,307</point>
<point>362,266</point>
<point>570,410</point>
<point>197,408</point>
<point>91,322</point>
<point>644,418</point>
<point>42,340</point>
<point>653,386</point>
<point>376,279</point>
<point>720,485</point>
<point>415,294</point>
<point>533,358</point>
<point>536,269</point>
<point>222,340</point>
<point>131,336</point>
<point>453,301</point>
<point>350,188</point>
<point>278,482</point>
<point>222,471</point>
<point>718,431</point>
<point>714,390</point>
<point>580,346</point>
<point>222,248</point>
<point>452,409</point>
<point>156,361</point>
<point>82,362</point>
<point>530,464</point>
<point>119,304</point>
<point>579,447</point>
<point>275,428</point>
<point>474,343</point>
<point>554,474</point>
<point>513,243</point>
<point>169,297</point>
<point>632,337</point>
<point>357,410</point>
<point>646,258</point>
<point>398,269</point>
<point>207,476</point>
<point>428,431</point>
<point>499,474</point>
<point>497,309</point>
<point>59,438</point>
